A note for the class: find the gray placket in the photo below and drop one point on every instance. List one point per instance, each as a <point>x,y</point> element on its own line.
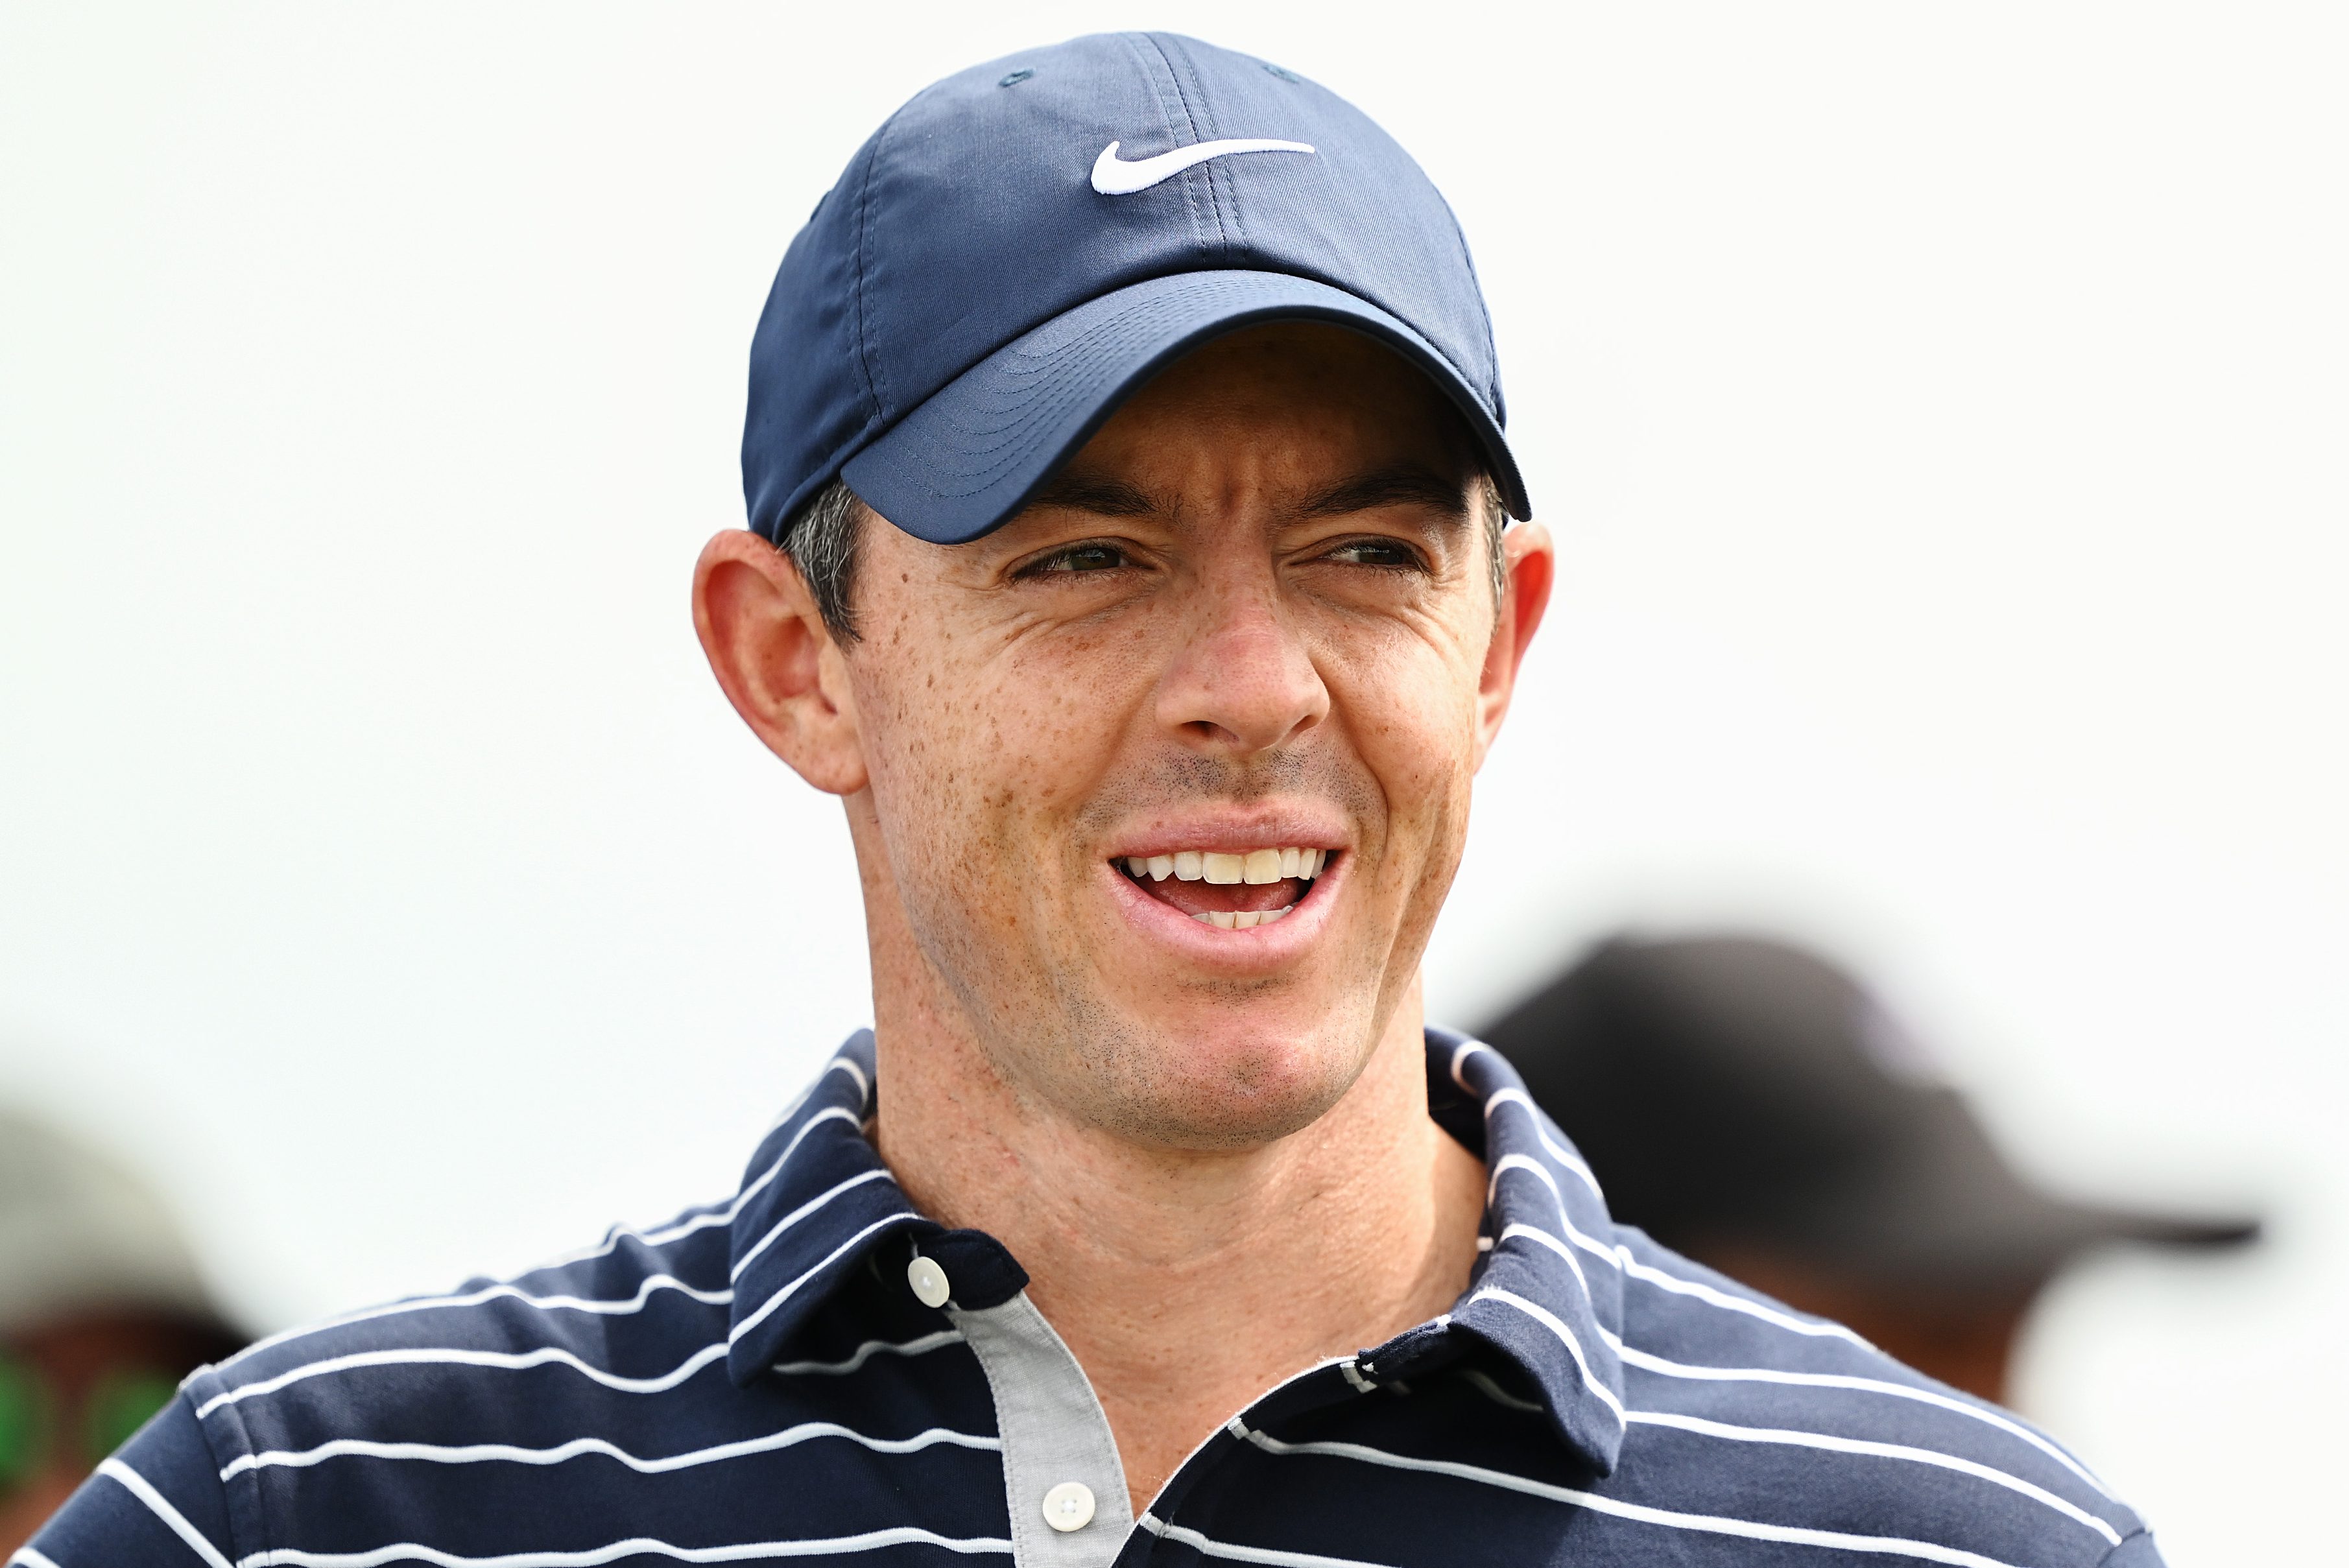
<point>1059,1456</point>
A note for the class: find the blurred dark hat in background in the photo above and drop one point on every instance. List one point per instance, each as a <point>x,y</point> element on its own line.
<point>1738,1094</point>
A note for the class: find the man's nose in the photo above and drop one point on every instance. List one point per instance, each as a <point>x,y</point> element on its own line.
<point>1244,681</point>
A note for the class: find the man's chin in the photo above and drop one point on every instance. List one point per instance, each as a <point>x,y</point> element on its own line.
<point>1220,1083</point>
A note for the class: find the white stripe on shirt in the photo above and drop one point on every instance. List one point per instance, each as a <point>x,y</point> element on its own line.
<point>505,1360</point>
<point>1901,1451</point>
<point>750,1255</point>
<point>1556,1325</point>
<point>1657,1363</point>
<point>602,1306</point>
<point>161,1507</point>
<point>1551,1146</point>
<point>869,1350</point>
<point>784,1294</point>
<point>486,1453</point>
<point>1710,1525</point>
<point>1229,1552</point>
<point>746,1551</point>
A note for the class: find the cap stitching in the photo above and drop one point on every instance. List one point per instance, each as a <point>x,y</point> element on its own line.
<point>1220,182</point>
<point>876,386</point>
<point>1174,133</point>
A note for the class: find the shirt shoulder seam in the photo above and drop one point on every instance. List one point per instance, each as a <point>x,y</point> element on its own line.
<point>240,1549</point>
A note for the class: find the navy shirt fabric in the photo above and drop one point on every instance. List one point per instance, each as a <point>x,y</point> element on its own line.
<point>755,1380</point>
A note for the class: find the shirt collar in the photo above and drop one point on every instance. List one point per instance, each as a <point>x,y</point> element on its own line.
<point>1549,1295</point>
<point>1546,1294</point>
<point>816,1199</point>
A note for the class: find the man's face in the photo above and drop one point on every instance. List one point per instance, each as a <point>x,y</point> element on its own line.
<point>1244,634</point>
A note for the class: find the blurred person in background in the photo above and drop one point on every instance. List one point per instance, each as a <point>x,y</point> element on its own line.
<point>101,1313</point>
<point>1752,1106</point>
<point>1131,553</point>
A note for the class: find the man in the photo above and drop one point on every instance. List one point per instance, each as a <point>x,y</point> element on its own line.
<point>1128,420</point>
<point>101,1313</point>
<point>1749,1104</point>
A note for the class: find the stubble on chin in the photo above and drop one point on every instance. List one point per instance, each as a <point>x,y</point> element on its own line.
<point>1199,1090</point>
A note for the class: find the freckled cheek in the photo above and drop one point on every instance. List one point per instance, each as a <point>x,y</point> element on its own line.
<point>972,770</point>
<point>1415,728</point>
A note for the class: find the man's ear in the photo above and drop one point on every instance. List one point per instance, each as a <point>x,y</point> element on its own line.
<point>1529,562</point>
<point>775,658</point>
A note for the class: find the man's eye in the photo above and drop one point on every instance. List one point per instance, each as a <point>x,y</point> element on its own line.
<point>1384,552</point>
<point>1089,557</point>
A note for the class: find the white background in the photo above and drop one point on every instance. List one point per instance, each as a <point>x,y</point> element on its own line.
<point>1942,409</point>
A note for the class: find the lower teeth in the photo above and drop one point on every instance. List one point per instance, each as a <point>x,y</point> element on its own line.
<point>1240,920</point>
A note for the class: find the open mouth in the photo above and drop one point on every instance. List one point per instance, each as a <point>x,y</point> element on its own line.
<point>1232,892</point>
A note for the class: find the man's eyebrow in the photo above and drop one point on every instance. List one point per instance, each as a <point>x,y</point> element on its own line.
<point>1405,484</point>
<point>1095,493</point>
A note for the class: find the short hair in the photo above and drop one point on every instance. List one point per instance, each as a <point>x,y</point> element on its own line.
<point>1496,518</point>
<point>822,539</point>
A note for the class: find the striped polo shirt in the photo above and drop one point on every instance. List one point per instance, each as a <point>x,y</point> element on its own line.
<point>812,1369</point>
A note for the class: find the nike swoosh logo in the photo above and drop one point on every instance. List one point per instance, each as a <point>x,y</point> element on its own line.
<point>1114,176</point>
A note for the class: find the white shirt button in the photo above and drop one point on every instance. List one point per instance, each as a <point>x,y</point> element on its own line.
<point>931,1288</point>
<point>1069,1506</point>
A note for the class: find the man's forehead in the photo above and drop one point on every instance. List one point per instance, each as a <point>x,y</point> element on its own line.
<point>1099,490</point>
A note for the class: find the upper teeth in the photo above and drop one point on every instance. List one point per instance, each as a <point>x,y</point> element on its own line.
<point>1216,866</point>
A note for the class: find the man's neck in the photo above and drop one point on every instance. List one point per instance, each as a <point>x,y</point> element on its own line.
<point>1186,1282</point>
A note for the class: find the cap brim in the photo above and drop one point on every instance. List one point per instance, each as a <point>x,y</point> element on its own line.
<point>1985,1226</point>
<point>2094,1225</point>
<point>966,460</point>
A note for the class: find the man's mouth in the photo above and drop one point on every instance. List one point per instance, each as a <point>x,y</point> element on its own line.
<point>1232,892</point>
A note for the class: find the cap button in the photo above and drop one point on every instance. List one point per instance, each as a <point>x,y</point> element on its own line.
<point>1069,1506</point>
<point>931,1289</point>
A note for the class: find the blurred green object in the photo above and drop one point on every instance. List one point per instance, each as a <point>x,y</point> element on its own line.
<point>121,1400</point>
<point>102,1310</point>
<point>24,1416</point>
<point>120,1403</point>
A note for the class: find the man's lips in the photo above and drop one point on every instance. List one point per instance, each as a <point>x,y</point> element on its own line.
<point>1229,889</point>
<point>1241,941</point>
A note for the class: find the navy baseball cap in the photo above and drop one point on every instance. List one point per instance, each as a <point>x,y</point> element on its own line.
<point>1025,243</point>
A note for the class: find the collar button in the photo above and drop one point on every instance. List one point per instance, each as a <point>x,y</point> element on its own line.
<point>1069,1506</point>
<point>929,1283</point>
